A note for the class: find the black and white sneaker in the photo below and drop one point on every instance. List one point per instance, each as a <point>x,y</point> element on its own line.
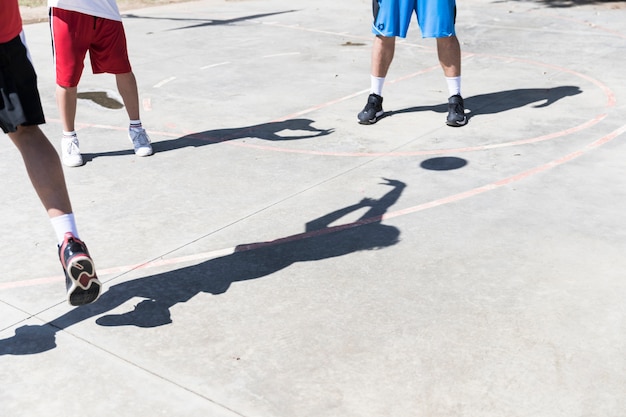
<point>81,281</point>
<point>373,110</point>
<point>456,112</point>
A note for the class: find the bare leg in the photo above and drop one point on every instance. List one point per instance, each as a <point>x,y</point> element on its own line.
<point>382,55</point>
<point>127,87</point>
<point>44,169</point>
<point>449,52</point>
<point>383,50</point>
<point>66,101</point>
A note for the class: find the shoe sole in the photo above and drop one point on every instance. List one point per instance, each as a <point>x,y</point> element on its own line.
<point>85,286</point>
<point>376,118</point>
<point>143,150</point>
<point>457,124</point>
<point>73,165</point>
<point>143,153</point>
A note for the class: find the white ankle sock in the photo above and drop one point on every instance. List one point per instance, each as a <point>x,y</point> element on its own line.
<point>454,85</point>
<point>63,224</point>
<point>377,85</point>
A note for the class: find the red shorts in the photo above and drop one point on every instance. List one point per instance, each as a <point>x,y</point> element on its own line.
<point>74,33</point>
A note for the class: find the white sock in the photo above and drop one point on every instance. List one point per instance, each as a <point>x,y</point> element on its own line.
<point>63,224</point>
<point>454,85</point>
<point>135,124</point>
<point>377,85</point>
<point>69,134</point>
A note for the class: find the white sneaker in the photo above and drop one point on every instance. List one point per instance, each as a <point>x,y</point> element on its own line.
<point>70,153</point>
<point>141,142</point>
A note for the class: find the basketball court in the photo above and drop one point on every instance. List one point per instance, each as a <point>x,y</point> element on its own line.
<point>275,258</point>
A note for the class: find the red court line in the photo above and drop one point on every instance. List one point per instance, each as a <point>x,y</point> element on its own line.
<point>509,180</point>
<point>611,100</point>
<point>410,210</point>
<point>608,93</point>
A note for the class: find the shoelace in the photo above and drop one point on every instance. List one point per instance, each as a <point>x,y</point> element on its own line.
<point>371,105</point>
<point>72,147</point>
<point>141,139</point>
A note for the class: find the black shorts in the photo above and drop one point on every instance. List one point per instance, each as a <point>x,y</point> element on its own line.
<point>20,103</point>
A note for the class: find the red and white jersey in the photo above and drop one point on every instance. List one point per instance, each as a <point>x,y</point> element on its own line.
<point>106,9</point>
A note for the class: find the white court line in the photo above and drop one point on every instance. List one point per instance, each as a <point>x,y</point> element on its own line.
<point>283,54</point>
<point>165,81</point>
<point>215,65</point>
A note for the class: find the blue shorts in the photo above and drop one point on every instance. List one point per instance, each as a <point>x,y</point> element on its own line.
<point>435,17</point>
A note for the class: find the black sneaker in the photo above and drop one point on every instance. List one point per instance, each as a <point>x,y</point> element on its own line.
<point>456,111</point>
<point>81,281</point>
<point>373,110</point>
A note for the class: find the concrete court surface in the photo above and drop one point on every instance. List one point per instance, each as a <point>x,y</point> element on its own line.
<point>274,258</point>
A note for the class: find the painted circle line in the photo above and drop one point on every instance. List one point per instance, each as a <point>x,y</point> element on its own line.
<point>403,212</point>
<point>410,210</point>
<point>610,102</point>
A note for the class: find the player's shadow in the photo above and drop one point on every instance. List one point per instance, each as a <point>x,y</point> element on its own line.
<point>501,101</point>
<point>205,22</point>
<point>286,130</point>
<point>323,238</point>
<point>568,3</point>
